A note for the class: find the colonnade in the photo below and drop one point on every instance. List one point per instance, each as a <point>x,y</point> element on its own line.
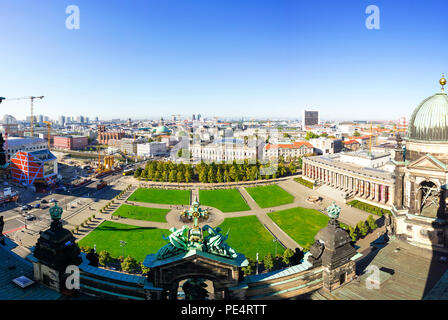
<point>360,186</point>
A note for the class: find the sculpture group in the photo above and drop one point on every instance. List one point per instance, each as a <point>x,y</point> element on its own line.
<point>184,239</point>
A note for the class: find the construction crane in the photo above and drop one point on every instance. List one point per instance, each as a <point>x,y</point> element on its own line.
<point>32,108</point>
<point>48,123</point>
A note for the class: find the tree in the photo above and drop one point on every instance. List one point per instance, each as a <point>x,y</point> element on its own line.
<point>268,262</point>
<point>311,135</point>
<point>356,134</point>
<point>363,228</point>
<point>187,176</point>
<point>353,233</point>
<point>202,176</point>
<point>211,176</point>
<point>145,270</point>
<point>172,176</point>
<point>180,176</point>
<point>219,176</point>
<point>371,223</point>
<point>129,264</point>
<point>287,256</point>
<point>233,173</point>
<point>227,177</point>
<point>249,269</point>
<point>104,257</point>
<point>292,168</point>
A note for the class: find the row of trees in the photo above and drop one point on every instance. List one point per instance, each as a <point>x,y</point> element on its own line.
<point>269,262</point>
<point>128,264</point>
<point>212,172</point>
<point>362,228</point>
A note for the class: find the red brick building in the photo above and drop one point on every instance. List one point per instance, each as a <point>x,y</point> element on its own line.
<point>70,142</point>
<point>104,136</point>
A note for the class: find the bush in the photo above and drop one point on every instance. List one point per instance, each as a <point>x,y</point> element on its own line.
<point>369,208</point>
<point>129,264</point>
<point>104,257</point>
<point>304,182</point>
<point>371,223</point>
<point>268,262</point>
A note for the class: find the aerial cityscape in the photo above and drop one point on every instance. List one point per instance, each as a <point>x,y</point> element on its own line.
<point>225,151</point>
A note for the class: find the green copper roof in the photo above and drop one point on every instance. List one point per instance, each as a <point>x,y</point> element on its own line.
<point>429,121</point>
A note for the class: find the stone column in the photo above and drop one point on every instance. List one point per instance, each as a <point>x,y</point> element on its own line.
<point>383,193</point>
<point>377,192</point>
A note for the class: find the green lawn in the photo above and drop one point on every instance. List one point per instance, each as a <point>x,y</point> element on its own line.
<point>301,224</point>
<point>270,196</point>
<point>161,196</point>
<point>142,213</point>
<point>140,241</point>
<point>227,200</point>
<point>248,236</point>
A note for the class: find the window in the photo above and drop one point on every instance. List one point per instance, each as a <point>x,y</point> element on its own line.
<point>342,278</point>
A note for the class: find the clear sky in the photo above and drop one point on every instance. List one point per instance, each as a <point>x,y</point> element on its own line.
<point>245,58</point>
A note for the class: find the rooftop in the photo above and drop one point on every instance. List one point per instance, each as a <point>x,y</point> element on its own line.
<point>406,272</point>
<point>12,267</point>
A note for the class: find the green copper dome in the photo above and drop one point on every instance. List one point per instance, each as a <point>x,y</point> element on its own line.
<point>429,121</point>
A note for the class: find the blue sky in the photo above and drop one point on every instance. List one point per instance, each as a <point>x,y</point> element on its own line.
<point>240,58</point>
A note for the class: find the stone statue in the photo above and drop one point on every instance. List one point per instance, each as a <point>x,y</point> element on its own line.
<point>215,242</point>
<point>178,242</point>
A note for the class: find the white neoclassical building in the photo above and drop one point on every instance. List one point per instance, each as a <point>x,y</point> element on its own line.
<point>358,174</point>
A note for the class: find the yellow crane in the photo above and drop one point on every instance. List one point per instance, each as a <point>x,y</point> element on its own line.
<point>31,98</point>
<point>48,123</point>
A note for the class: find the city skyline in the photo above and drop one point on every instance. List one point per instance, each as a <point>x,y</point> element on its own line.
<point>260,59</point>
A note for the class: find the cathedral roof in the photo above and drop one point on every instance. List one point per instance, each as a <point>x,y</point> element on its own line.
<point>429,121</point>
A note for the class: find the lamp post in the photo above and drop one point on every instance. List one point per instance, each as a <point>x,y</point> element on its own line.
<point>122,245</point>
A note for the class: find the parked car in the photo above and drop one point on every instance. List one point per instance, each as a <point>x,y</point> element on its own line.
<point>53,200</point>
<point>30,217</point>
<point>443,259</point>
<point>37,205</point>
<point>44,201</point>
<point>24,208</point>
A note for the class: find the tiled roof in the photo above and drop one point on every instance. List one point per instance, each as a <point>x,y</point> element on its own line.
<point>295,145</point>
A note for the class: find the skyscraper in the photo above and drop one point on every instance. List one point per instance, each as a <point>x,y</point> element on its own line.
<point>310,117</point>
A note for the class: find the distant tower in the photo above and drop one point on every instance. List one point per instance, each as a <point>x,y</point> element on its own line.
<point>193,118</point>
<point>310,118</point>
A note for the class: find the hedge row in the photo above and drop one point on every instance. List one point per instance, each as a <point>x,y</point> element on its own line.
<point>369,208</point>
<point>304,182</point>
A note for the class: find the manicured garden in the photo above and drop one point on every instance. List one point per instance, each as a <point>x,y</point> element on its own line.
<point>304,182</point>
<point>161,196</point>
<point>301,224</point>
<point>140,241</point>
<point>226,200</point>
<point>248,236</point>
<point>141,213</point>
<point>369,208</point>
<point>270,196</point>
